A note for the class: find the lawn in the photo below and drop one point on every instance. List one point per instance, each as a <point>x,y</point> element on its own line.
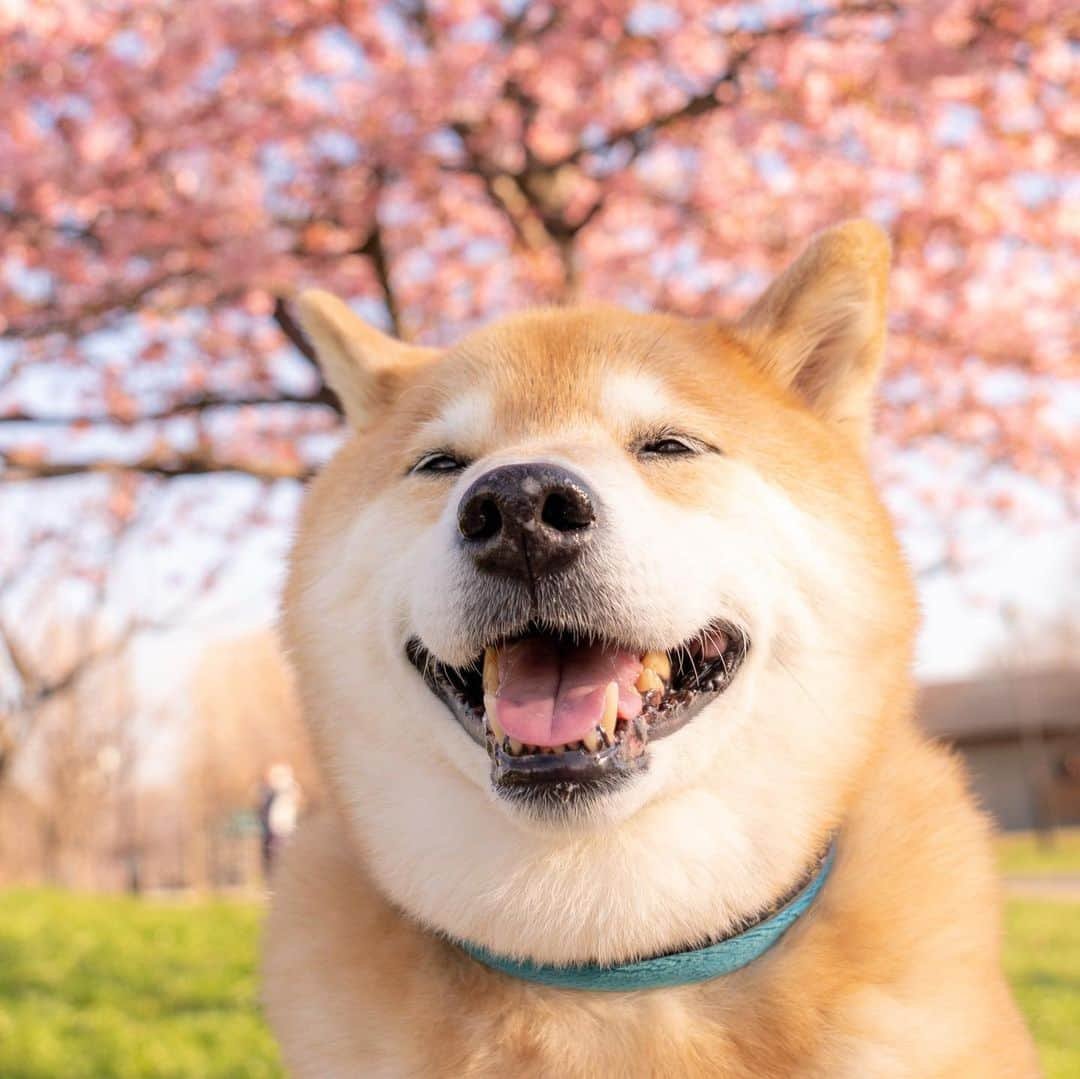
<point>1024,854</point>
<point>1042,958</point>
<point>107,988</point>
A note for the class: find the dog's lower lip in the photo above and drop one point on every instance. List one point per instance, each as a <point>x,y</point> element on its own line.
<point>691,687</point>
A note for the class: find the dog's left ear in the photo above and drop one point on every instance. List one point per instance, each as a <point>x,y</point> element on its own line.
<point>362,365</point>
<point>820,327</point>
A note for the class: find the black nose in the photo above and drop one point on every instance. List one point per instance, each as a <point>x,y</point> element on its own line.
<point>526,521</point>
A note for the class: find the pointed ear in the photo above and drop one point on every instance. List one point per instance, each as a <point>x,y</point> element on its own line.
<point>361,365</point>
<point>820,327</point>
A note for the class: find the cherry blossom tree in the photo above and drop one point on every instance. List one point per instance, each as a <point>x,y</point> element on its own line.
<point>173,173</point>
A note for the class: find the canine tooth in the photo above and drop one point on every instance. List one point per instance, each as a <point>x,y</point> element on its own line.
<point>659,663</point>
<point>591,741</point>
<point>611,710</point>
<point>648,680</point>
<point>491,670</point>
<point>491,710</point>
<point>515,746</point>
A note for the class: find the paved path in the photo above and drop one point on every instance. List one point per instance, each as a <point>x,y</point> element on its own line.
<point>1049,887</point>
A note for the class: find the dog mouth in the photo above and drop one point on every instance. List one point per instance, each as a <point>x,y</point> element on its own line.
<point>560,716</point>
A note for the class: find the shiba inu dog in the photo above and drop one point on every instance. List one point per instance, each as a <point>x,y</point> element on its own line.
<point>604,641</point>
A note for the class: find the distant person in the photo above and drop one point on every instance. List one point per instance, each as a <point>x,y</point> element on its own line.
<point>279,809</point>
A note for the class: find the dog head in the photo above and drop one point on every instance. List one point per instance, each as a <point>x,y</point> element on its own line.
<point>596,614</point>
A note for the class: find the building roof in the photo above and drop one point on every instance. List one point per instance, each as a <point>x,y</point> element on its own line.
<point>1002,705</point>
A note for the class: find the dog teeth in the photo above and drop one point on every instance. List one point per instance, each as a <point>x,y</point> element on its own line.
<point>592,742</point>
<point>658,663</point>
<point>648,681</point>
<point>491,671</point>
<point>611,710</point>
<point>491,704</point>
<point>491,714</point>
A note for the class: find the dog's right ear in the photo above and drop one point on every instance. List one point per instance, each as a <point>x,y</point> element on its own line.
<point>362,365</point>
<point>820,327</point>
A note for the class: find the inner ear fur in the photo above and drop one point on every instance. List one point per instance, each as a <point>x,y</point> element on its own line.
<point>819,329</point>
<point>361,364</point>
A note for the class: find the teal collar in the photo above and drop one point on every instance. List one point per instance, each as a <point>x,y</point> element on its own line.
<point>678,968</point>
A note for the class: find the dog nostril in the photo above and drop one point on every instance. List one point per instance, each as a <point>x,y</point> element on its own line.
<point>567,512</point>
<point>480,520</point>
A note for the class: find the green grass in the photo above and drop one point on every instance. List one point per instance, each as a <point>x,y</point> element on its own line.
<point>105,988</point>
<point>1023,854</point>
<point>108,988</point>
<point>1042,959</point>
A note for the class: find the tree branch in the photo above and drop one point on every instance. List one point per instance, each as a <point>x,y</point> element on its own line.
<point>164,465</point>
<point>188,406</point>
<point>705,101</point>
<point>517,194</point>
<point>292,330</point>
<point>375,249</point>
<point>96,312</point>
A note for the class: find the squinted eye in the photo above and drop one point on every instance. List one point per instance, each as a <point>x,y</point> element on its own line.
<point>667,446</point>
<point>438,461</point>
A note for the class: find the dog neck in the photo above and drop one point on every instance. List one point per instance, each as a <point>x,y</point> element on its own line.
<point>689,966</point>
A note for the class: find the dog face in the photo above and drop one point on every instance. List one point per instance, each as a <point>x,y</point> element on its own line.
<point>601,607</point>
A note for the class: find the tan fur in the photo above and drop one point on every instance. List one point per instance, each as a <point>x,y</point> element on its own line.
<point>362,365</point>
<point>894,973</point>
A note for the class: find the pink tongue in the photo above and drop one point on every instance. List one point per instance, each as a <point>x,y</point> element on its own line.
<point>550,694</point>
